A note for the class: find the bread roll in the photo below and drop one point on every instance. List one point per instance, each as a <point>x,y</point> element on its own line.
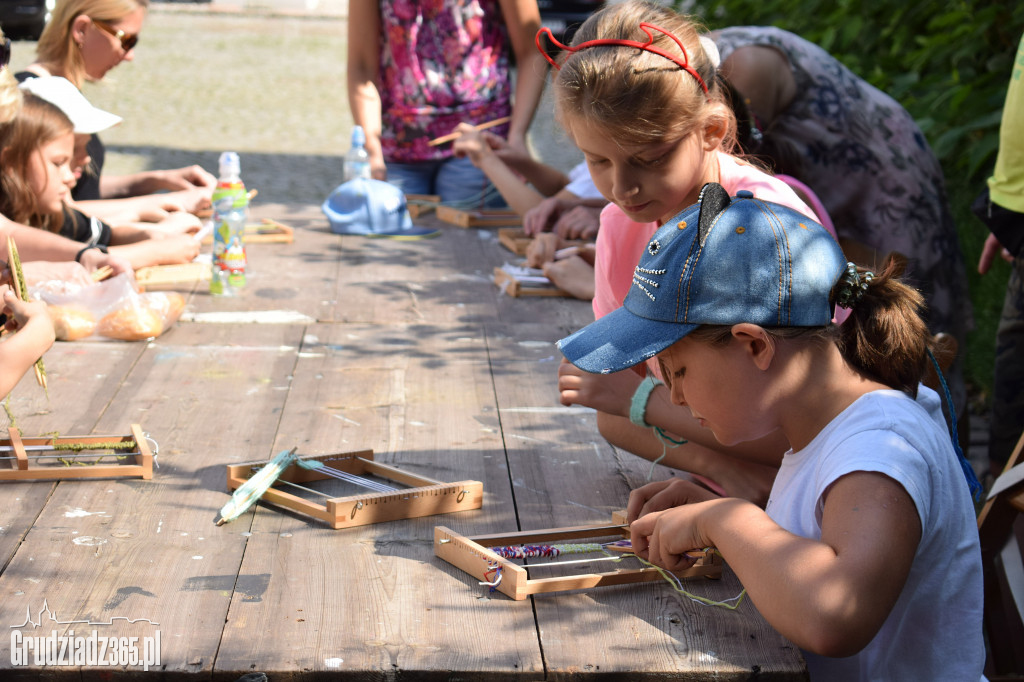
<point>132,323</point>
<point>71,322</point>
<point>167,304</point>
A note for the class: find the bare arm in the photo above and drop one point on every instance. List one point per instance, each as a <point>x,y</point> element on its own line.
<point>149,207</point>
<point>522,17</point>
<point>36,244</point>
<point>181,248</point>
<point>763,76</point>
<point>829,596</point>
<point>33,336</point>
<point>363,67</point>
<point>148,182</point>
<point>478,147</point>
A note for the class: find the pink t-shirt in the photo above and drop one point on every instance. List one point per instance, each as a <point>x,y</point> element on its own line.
<point>621,242</point>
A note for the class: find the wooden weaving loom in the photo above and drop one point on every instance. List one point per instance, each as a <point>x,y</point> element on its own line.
<point>477,218</point>
<point>517,241</point>
<point>515,282</point>
<point>474,556</point>
<point>265,232</point>
<point>25,467</point>
<point>424,497</point>
<point>421,204</point>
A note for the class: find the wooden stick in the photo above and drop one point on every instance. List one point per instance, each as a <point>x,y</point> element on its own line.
<point>454,136</point>
<point>102,273</point>
<point>21,291</point>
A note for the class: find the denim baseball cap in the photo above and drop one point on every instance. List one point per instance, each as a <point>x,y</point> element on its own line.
<point>372,208</point>
<point>722,261</point>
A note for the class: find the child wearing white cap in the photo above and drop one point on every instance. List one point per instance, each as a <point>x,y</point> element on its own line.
<point>89,120</point>
<point>35,181</point>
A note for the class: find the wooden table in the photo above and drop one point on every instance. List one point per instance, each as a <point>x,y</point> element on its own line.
<point>405,348</point>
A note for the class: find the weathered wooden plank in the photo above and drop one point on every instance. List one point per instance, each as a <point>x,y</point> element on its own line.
<point>445,279</point>
<point>299,277</point>
<point>565,474</point>
<point>68,407</point>
<point>375,596</point>
<point>207,394</point>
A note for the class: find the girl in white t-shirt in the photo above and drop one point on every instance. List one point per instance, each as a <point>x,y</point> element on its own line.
<point>637,93</point>
<point>867,554</point>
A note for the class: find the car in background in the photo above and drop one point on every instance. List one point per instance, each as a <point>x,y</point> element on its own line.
<point>563,17</point>
<point>24,19</point>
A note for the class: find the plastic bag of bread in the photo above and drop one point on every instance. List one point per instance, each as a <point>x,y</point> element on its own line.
<point>71,321</point>
<point>112,309</point>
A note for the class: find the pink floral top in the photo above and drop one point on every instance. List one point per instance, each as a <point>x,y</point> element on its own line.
<point>442,62</point>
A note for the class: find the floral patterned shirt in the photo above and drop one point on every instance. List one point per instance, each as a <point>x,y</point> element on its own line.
<point>869,163</point>
<point>442,62</point>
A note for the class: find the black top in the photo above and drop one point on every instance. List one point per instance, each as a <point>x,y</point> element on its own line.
<point>82,228</point>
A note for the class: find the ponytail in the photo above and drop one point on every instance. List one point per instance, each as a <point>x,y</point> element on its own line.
<point>884,338</point>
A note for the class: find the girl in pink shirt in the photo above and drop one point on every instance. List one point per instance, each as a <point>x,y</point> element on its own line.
<point>638,94</point>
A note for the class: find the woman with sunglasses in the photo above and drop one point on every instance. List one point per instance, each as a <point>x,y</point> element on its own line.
<point>83,41</point>
<point>44,255</point>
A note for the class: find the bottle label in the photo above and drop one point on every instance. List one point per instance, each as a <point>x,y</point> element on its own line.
<point>229,261</point>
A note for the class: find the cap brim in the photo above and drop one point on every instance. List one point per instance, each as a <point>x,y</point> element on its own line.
<point>620,340</point>
<point>409,233</point>
<point>96,122</point>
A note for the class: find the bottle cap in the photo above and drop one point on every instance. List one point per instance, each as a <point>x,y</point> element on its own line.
<point>229,164</point>
<point>358,136</point>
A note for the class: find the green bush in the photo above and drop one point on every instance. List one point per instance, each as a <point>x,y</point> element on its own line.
<point>948,64</point>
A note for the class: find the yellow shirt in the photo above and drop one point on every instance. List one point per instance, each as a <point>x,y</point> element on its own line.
<point>1006,186</point>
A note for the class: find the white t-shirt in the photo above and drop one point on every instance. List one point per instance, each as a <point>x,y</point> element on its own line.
<point>581,184</point>
<point>934,631</point>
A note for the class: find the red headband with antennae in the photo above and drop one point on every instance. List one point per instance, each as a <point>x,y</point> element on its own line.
<point>649,46</point>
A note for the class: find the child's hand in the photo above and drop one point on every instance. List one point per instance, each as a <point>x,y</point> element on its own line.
<point>664,537</point>
<point>21,313</point>
<point>662,495</point>
<point>188,177</point>
<point>608,393</point>
<point>176,223</point>
<point>580,222</point>
<point>541,249</point>
<point>541,217</point>
<point>178,248</point>
<point>471,143</point>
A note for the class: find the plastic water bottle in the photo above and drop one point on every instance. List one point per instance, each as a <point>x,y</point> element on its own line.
<point>357,160</point>
<point>230,210</point>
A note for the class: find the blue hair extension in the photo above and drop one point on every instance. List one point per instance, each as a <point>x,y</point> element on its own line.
<point>972,478</point>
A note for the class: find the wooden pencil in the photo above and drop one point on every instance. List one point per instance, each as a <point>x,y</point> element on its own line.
<point>454,136</point>
<point>21,291</point>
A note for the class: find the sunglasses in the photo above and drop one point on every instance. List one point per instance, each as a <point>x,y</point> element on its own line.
<point>128,40</point>
<point>5,52</point>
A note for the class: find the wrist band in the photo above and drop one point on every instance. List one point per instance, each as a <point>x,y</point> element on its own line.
<point>78,256</point>
<point>638,405</point>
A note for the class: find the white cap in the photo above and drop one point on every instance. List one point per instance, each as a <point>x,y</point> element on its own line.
<point>60,92</point>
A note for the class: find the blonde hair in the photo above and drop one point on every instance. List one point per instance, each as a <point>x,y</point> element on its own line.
<point>38,123</point>
<point>10,94</point>
<point>57,44</point>
<point>637,96</point>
